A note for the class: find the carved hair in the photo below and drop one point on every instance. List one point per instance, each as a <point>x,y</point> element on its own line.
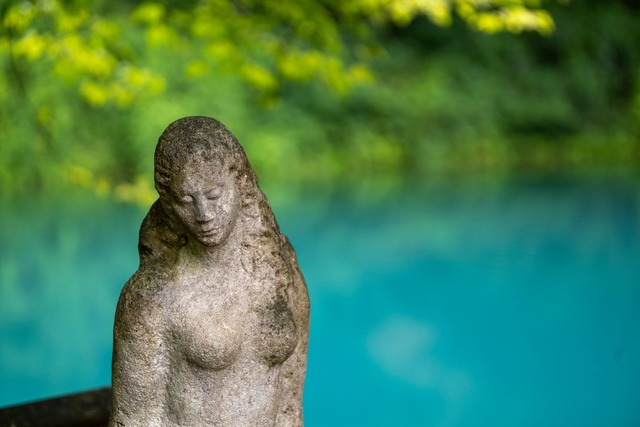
<point>161,236</point>
<point>201,137</point>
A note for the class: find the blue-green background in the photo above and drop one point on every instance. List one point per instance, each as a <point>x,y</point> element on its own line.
<point>466,303</point>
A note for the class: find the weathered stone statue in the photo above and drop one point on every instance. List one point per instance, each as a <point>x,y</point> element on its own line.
<point>212,329</point>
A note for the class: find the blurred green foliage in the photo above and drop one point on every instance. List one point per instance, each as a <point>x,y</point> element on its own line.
<point>317,91</point>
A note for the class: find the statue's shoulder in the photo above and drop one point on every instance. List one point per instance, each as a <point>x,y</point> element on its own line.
<point>149,282</point>
<point>142,299</point>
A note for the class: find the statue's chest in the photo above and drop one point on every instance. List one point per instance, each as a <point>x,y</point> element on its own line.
<point>213,320</point>
<point>206,322</point>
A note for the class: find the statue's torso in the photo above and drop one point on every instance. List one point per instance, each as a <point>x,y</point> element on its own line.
<point>221,337</point>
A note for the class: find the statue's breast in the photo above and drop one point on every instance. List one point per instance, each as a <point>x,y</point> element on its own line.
<point>276,335</point>
<point>207,329</point>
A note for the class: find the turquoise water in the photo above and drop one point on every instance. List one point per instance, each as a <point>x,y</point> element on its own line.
<point>454,305</point>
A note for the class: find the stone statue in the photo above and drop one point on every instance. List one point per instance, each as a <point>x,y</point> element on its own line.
<point>212,330</point>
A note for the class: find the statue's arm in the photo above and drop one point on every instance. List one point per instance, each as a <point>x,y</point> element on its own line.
<point>294,368</point>
<point>139,365</point>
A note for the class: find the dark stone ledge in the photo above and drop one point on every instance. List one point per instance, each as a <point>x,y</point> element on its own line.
<point>86,409</point>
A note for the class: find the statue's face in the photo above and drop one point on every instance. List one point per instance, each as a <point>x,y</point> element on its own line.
<point>204,199</point>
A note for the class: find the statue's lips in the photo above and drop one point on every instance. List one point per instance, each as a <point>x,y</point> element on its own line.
<point>208,232</point>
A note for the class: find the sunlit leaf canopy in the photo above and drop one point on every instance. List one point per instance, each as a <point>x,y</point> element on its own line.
<point>336,91</point>
<point>264,42</point>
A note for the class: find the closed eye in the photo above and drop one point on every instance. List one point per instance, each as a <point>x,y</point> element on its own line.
<point>185,200</point>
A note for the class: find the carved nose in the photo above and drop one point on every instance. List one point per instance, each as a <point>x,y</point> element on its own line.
<point>202,213</point>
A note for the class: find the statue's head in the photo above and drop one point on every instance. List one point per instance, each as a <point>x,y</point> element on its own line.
<point>203,176</point>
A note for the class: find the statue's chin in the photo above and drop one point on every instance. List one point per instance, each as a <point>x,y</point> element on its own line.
<point>210,239</point>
